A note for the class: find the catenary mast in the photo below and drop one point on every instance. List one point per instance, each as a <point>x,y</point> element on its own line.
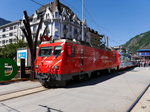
<point>82,20</point>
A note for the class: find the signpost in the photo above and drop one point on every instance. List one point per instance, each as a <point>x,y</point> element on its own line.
<point>3,76</point>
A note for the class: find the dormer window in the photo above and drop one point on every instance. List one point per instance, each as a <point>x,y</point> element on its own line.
<point>34,20</point>
<point>34,28</point>
<point>47,16</point>
<point>35,17</point>
<point>56,14</point>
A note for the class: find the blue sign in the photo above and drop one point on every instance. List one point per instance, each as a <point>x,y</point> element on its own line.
<point>22,55</point>
<point>144,53</point>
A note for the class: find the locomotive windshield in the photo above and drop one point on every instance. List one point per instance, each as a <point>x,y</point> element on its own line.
<point>45,51</point>
<point>57,50</point>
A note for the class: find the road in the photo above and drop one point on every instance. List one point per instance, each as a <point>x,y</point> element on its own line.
<point>110,93</point>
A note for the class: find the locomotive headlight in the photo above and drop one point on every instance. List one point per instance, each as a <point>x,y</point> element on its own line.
<point>56,67</point>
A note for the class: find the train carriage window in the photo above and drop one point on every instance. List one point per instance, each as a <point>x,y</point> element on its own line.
<point>57,50</point>
<point>45,51</point>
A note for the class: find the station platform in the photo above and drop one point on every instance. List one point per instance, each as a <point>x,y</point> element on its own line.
<point>129,85</point>
<point>14,86</point>
<point>143,104</point>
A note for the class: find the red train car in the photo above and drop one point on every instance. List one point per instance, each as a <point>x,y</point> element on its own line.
<point>65,60</point>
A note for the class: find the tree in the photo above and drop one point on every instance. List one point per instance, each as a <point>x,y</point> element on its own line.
<point>32,42</point>
<point>9,51</point>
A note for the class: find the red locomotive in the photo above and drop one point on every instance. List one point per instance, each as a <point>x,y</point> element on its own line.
<point>65,60</point>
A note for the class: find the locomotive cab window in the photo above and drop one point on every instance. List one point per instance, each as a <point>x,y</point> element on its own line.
<point>57,50</point>
<point>45,51</point>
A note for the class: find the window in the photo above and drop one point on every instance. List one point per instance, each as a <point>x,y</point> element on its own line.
<point>10,34</point>
<point>15,33</point>
<point>7,35</point>
<point>56,14</point>
<point>57,50</point>
<point>75,31</point>
<point>3,42</point>
<point>10,40</point>
<point>45,51</point>
<point>56,35</point>
<point>34,20</point>
<point>34,28</point>
<point>4,36</point>
<point>65,30</point>
<point>56,23</point>
<point>4,30</point>
<point>15,27</point>
<point>47,16</point>
<point>6,41</point>
<point>11,28</point>
<point>65,27</point>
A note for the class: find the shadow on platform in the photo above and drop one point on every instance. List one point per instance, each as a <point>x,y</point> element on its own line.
<point>50,109</point>
<point>97,79</point>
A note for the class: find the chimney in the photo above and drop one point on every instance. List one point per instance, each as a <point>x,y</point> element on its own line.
<point>55,4</point>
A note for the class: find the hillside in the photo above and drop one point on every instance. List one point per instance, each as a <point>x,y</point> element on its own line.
<point>3,21</point>
<point>141,41</point>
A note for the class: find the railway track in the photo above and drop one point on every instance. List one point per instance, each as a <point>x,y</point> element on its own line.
<point>20,93</point>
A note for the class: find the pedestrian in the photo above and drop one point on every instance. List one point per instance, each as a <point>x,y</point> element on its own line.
<point>141,63</point>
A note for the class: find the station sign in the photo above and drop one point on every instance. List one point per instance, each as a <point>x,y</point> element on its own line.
<point>21,54</point>
<point>3,75</point>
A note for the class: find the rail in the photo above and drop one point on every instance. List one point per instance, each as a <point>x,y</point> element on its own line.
<point>21,93</point>
<point>138,99</point>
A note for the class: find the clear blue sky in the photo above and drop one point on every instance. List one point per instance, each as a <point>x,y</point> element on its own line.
<point>120,20</point>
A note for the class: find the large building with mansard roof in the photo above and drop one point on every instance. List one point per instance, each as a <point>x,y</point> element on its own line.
<point>61,23</point>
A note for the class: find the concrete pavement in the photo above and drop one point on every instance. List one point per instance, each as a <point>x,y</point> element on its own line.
<point>17,86</point>
<point>143,104</point>
<point>110,93</point>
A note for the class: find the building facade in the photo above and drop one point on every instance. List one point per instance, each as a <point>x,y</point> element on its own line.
<point>9,33</point>
<point>144,53</point>
<point>60,21</point>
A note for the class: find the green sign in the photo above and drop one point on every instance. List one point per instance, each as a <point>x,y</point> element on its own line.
<point>3,76</point>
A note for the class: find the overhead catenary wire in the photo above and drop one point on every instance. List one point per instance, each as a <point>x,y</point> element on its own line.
<point>89,16</point>
<point>37,2</point>
<point>113,41</point>
<point>96,24</point>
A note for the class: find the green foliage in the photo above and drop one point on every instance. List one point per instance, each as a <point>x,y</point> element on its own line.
<point>141,41</point>
<point>10,51</point>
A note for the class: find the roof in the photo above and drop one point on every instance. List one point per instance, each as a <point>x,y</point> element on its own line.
<point>143,50</point>
<point>9,24</point>
<point>52,5</point>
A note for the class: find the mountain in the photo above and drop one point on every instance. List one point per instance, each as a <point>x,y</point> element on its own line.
<point>141,41</point>
<point>3,21</point>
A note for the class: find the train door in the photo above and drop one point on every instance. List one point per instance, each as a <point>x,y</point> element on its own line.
<point>81,59</point>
